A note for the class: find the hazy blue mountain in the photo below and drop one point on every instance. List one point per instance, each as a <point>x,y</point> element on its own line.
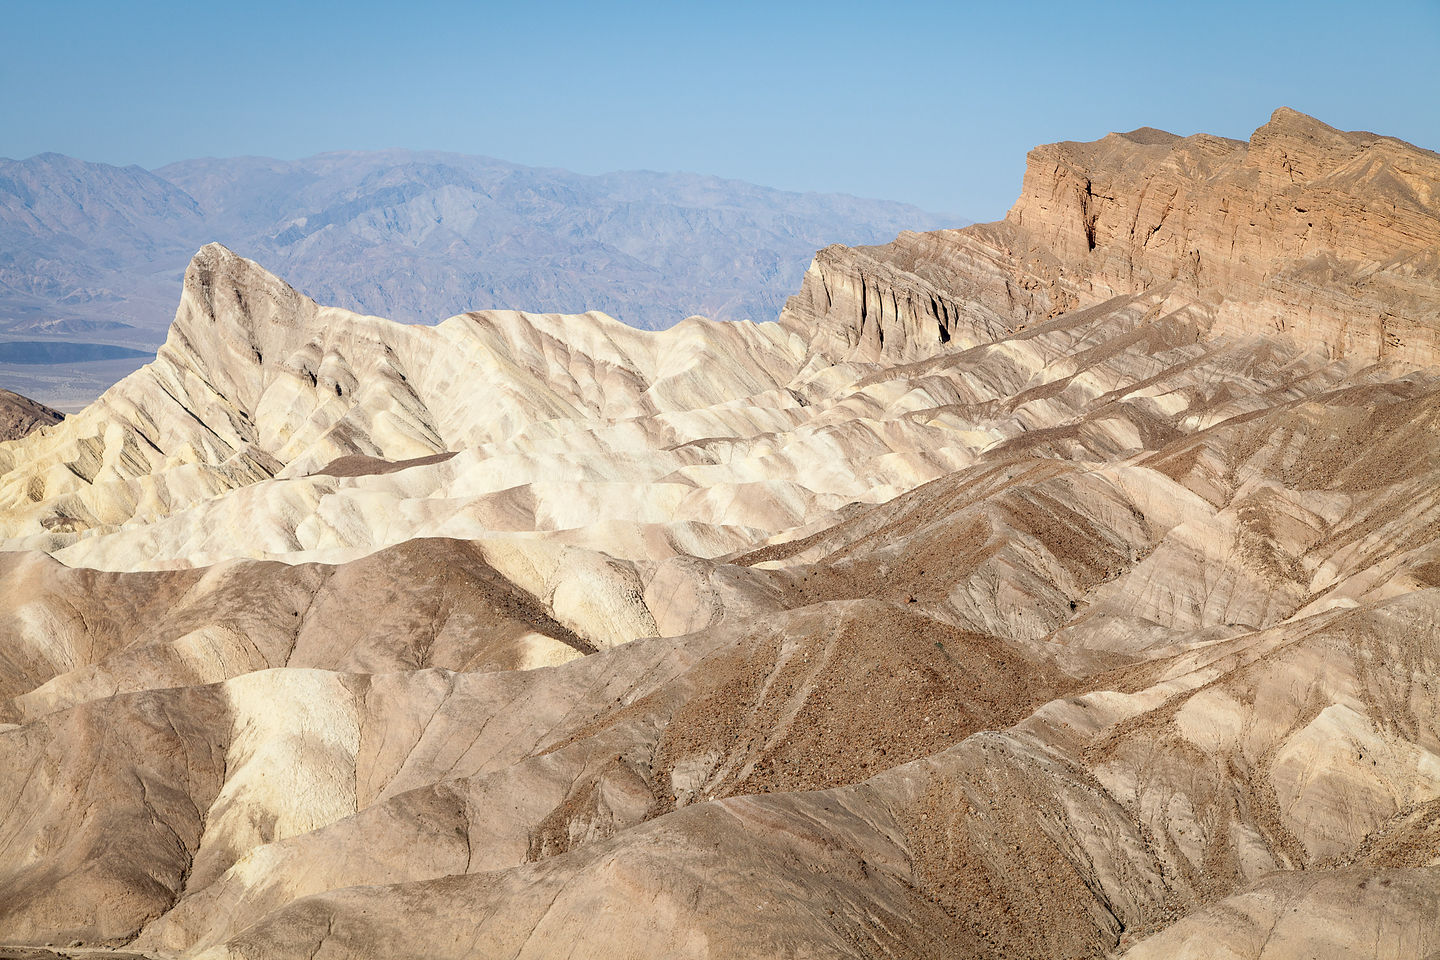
<point>85,247</point>
<point>86,244</point>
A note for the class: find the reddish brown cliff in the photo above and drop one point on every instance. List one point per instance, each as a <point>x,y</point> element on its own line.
<point>1330,237</point>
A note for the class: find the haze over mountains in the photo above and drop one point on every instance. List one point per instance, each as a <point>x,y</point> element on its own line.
<point>92,252</point>
<point>1058,587</point>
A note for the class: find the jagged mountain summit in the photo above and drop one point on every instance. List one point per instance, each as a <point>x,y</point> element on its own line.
<point>1064,586</point>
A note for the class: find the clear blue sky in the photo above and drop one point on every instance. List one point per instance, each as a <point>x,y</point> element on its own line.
<point>932,103</point>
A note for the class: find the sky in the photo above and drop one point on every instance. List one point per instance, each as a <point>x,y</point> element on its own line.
<point>930,103</point>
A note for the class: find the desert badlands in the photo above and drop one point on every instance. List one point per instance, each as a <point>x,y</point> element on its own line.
<point>1065,586</point>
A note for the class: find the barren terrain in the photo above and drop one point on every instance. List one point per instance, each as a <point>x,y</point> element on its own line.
<point>1067,586</point>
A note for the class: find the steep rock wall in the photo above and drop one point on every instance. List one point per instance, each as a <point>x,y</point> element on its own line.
<point>1329,237</point>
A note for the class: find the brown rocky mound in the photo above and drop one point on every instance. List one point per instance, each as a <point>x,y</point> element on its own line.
<point>19,415</point>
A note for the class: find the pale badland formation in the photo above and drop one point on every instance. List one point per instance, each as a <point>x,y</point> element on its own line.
<point>1067,586</point>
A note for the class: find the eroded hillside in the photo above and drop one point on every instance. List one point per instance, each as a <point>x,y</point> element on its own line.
<point>1066,586</point>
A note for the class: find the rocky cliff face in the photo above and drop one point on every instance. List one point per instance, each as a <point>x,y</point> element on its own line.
<point>924,294</point>
<point>1328,236</point>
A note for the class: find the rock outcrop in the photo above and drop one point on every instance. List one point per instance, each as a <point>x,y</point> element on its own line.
<point>20,415</point>
<point>1330,236</point>
<point>1015,596</point>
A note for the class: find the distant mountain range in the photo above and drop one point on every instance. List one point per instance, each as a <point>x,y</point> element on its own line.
<point>94,251</point>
